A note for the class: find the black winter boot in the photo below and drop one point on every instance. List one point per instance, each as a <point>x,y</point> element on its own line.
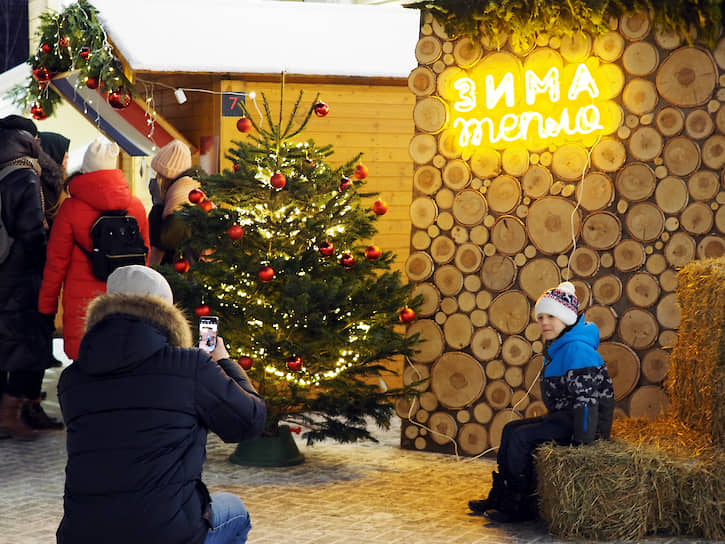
<point>34,416</point>
<point>515,508</point>
<point>498,489</point>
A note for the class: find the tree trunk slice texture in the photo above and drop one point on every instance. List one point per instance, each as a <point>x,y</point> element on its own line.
<point>720,119</point>
<point>483,299</point>
<point>609,155</point>
<point>431,345</point>
<point>687,77</point>
<point>422,81</point>
<point>697,218</point>
<point>498,423</point>
<point>514,376</point>
<point>423,212</point>
<point>430,114</point>
<point>466,53</point>
<point>428,50</point>
<point>636,182</point>
<point>549,224</point>
<point>456,175</point>
<point>515,160</point>
<point>467,302</point>
<point>656,264</point>
<point>440,31</point>
<point>645,221</point>
<point>503,194</point>
<point>448,144</point>
<point>509,312</point>
<point>473,438</point>
<point>601,230</point>
<point>457,379</point>
<point>713,152</point>
<point>667,39</point>
<point>409,431</point>
<point>668,280</point>
<point>640,58</point>
<point>629,255</point>
<point>608,47</point>
<point>431,299</point>
<point>508,234</point>
<point>635,27</point>
<point>444,83</point>
<point>595,192</point>
<point>416,374</point>
<point>469,208</point>
<point>520,400</point>
<point>607,290</point>
<point>537,276</point>
<point>468,258</point>
<point>448,279</point>
<point>482,413</point>
<point>681,156</point>
<point>498,394</point>
<point>445,221</point>
<point>703,185</point>
<point>614,78</point>
<point>531,376</point>
<point>584,262</point>
<point>495,369</point>
<point>486,163</point>
<point>422,148</point>
<point>655,365</point>
<point>473,284</point>
<point>711,247</point>
<point>498,272</point>
<point>638,328</point>
<point>604,318</point>
<point>420,240</point>
<point>458,330</point>
<point>459,233</point>
<point>427,179</point>
<point>449,305</point>
<point>485,344</point>
<point>516,351</point>
<point>570,162</point>
<point>679,250</point>
<point>699,124</point>
<point>583,293</point>
<point>623,367</point>
<point>648,401</point>
<point>406,408</point>
<point>720,219</point>
<point>643,289</point>
<point>576,47</point>
<point>639,96</point>
<point>536,409</point>
<point>419,266</point>
<point>442,249</point>
<point>668,311</point>
<point>443,428</point>
<point>669,121</point>
<point>671,195</point>
<point>537,181</point>
<point>444,199</point>
<point>645,144</point>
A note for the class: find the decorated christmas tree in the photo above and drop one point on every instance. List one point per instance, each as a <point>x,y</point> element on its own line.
<point>308,307</point>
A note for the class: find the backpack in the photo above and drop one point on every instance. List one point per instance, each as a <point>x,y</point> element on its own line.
<point>117,242</point>
<point>6,241</point>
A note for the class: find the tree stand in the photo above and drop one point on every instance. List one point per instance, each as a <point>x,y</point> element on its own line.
<point>268,451</point>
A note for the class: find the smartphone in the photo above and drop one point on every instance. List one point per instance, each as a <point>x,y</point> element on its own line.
<point>208,326</point>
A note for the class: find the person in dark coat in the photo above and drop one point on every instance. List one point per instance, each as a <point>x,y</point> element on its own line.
<point>138,403</point>
<point>24,332</point>
<point>53,162</point>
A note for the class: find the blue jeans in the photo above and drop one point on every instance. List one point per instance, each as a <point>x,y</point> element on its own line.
<point>230,522</point>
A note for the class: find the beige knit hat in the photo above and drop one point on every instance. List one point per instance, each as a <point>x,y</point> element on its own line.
<point>172,159</point>
<point>100,155</point>
<point>138,280</point>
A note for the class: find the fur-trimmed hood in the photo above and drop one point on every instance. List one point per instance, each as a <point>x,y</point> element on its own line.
<point>124,330</point>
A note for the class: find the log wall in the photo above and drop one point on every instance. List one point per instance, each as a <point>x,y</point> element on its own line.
<point>492,228</point>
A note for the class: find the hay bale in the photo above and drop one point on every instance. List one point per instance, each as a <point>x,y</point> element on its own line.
<point>696,378</point>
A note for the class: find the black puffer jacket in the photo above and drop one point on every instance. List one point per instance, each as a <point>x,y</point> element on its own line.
<point>24,335</point>
<point>138,403</point>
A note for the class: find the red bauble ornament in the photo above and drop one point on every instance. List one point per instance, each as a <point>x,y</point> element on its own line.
<point>85,52</point>
<point>235,167</point>
<point>63,42</point>
<point>244,124</point>
<point>321,109</point>
<point>182,266</point>
<point>347,260</point>
<point>266,273</point>
<point>92,83</point>
<point>202,310</point>
<point>294,363</point>
<point>407,315</point>
<point>206,205</point>
<point>46,48</point>
<point>345,184</point>
<point>326,249</point>
<point>196,196</point>
<point>380,207</point>
<point>372,253</point>
<point>235,232</point>
<point>361,171</point>
<point>245,362</point>
<point>37,113</point>
<point>41,74</point>
<point>119,99</point>
<point>278,180</point>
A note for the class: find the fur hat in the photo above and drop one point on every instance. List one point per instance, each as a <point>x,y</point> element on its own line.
<point>100,155</point>
<point>172,159</point>
<point>16,122</point>
<point>560,302</point>
<point>138,280</point>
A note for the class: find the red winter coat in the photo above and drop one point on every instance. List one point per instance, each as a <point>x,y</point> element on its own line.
<point>66,265</point>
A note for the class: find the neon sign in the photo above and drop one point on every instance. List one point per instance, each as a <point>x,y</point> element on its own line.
<point>538,105</point>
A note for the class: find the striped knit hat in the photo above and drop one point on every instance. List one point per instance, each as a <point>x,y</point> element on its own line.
<point>560,302</point>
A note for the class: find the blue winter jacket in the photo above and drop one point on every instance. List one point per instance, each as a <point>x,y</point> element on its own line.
<point>575,379</point>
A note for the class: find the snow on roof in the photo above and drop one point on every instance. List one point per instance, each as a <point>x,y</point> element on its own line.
<point>247,36</point>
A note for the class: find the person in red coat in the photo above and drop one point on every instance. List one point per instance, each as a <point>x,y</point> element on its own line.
<point>100,186</point>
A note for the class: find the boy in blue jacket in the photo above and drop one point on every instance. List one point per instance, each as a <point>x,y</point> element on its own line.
<point>578,395</point>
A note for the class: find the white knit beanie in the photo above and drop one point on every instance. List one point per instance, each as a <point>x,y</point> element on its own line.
<point>560,302</point>
<point>100,155</point>
<point>172,159</point>
<point>138,280</point>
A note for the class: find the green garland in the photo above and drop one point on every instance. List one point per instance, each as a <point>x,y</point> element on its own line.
<point>523,20</point>
<point>71,40</point>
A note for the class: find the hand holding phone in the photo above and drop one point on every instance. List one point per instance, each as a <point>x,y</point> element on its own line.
<point>208,326</point>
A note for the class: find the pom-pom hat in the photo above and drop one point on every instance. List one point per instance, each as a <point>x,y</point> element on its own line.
<point>172,159</point>
<point>138,280</point>
<point>560,302</point>
<point>100,155</point>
